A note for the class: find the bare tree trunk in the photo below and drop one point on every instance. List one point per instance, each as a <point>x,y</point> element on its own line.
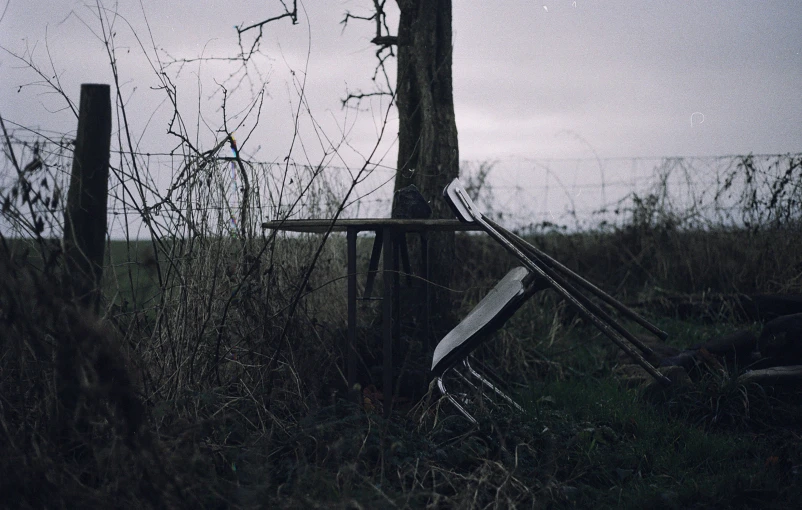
<point>428,156</point>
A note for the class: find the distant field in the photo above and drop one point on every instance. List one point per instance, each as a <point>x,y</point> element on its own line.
<point>634,263</point>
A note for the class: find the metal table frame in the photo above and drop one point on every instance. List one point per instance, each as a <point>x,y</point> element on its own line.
<point>390,239</point>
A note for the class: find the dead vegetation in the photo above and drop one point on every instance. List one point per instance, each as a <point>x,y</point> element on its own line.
<point>184,398</point>
<point>211,378</point>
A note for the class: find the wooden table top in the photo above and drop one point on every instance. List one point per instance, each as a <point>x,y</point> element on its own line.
<point>342,225</point>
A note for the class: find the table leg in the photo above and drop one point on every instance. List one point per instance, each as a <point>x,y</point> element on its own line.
<point>400,241</point>
<point>424,250</point>
<point>373,265</point>
<point>351,348</point>
<point>404,249</point>
<point>387,319</point>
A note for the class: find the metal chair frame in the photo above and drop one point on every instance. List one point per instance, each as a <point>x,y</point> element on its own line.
<point>562,280</point>
<point>480,323</point>
<point>539,271</point>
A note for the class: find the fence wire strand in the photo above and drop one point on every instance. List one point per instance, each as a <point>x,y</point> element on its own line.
<point>187,194</point>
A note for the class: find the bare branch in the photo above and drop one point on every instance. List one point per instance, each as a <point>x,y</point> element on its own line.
<point>292,14</point>
<point>359,97</point>
<point>348,16</point>
<point>49,80</point>
<point>287,14</point>
<point>385,42</point>
<point>383,37</point>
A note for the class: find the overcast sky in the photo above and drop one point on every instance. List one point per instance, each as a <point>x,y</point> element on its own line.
<point>552,78</point>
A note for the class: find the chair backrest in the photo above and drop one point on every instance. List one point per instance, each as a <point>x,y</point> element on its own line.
<point>485,318</point>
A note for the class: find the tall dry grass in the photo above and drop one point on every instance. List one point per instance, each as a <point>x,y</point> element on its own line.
<point>212,375</point>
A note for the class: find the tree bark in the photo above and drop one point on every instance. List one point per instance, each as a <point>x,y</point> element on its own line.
<point>428,156</point>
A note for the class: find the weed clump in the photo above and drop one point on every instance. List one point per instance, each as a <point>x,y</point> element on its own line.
<point>74,427</point>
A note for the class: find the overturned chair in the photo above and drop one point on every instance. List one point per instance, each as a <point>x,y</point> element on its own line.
<point>539,271</point>
<point>485,318</point>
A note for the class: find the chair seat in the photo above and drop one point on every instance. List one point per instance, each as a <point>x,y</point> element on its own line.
<point>486,317</point>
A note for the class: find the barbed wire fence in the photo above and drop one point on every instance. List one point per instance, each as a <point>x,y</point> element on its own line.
<point>734,191</point>
<point>191,194</point>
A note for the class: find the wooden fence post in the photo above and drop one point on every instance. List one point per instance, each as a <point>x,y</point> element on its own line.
<point>85,216</point>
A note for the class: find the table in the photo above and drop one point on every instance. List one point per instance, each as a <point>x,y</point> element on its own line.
<point>391,239</point>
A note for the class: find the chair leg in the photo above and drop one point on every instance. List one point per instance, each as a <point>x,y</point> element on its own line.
<point>448,395</point>
<point>492,386</point>
<point>486,382</point>
<point>477,389</point>
<point>469,383</point>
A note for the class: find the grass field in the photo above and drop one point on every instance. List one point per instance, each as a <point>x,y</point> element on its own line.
<point>242,400</point>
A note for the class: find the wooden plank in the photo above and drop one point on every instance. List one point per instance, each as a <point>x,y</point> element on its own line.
<point>773,375</point>
<point>361,224</point>
<point>350,356</point>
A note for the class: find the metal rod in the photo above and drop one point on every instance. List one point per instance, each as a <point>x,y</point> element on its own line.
<point>479,390</point>
<point>610,300</point>
<point>441,385</point>
<point>490,385</point>
<point>583,311</point>
<point>593,307</point>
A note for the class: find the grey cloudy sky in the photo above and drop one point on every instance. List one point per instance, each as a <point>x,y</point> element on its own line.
<point>546,78</point>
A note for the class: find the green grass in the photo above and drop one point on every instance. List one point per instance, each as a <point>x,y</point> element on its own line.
<point>621,451</point>
<point>131,280</point>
